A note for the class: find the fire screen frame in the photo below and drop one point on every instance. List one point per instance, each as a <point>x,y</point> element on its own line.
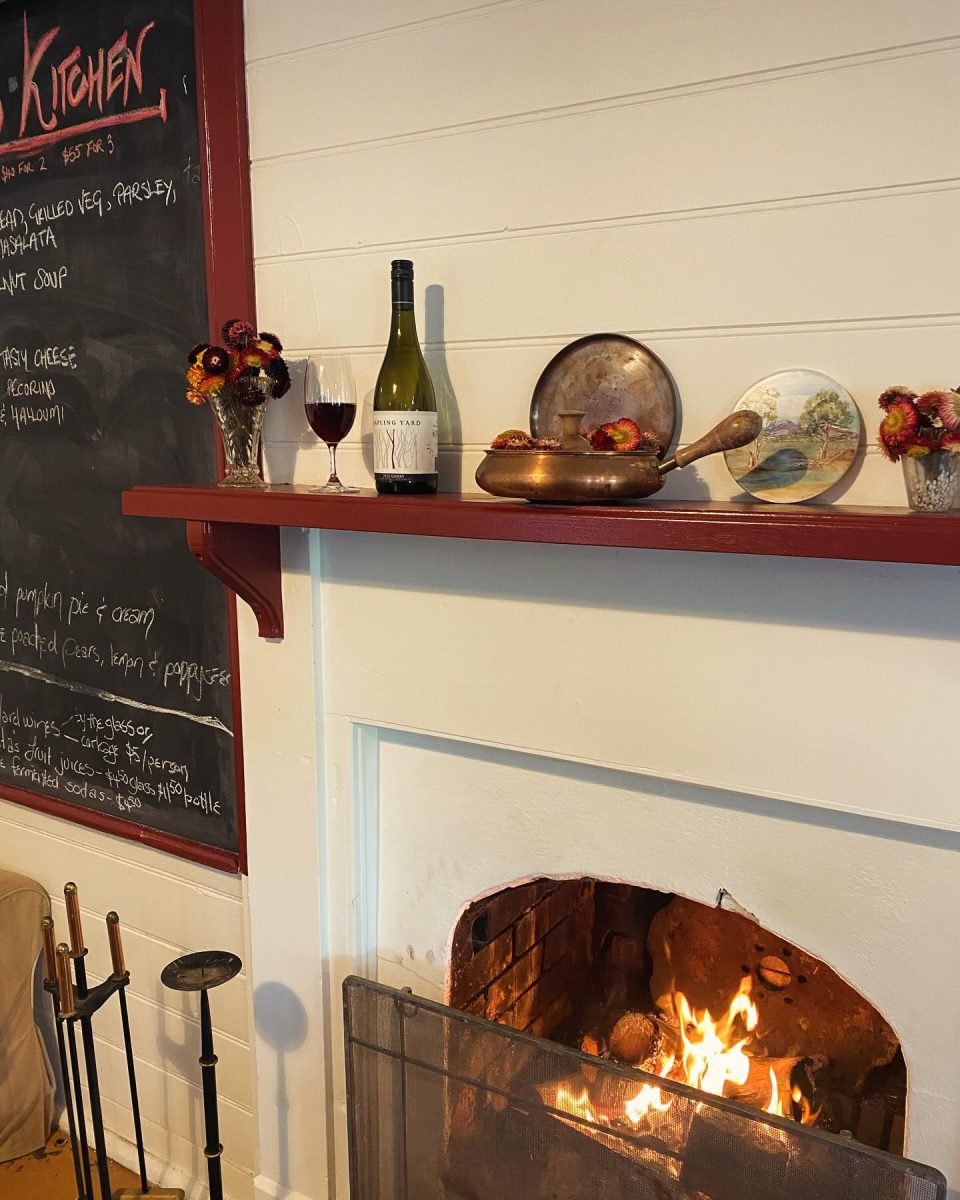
<point>402,1050</point>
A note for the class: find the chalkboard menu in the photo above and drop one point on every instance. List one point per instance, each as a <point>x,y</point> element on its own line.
<point>116,676</point>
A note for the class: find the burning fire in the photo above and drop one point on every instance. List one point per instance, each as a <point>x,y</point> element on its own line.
<point>712,1056</point>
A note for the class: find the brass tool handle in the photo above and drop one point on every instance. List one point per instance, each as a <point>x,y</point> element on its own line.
<point>116,946</point>
<point>72,899</point>
<point>49,952</point>
<point>739,429</point>
<point>68,999</point>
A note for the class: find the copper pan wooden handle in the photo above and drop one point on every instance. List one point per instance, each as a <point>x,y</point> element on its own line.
<point>739,429</point>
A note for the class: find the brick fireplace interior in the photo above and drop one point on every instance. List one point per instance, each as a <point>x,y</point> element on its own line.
<point>616,970</point>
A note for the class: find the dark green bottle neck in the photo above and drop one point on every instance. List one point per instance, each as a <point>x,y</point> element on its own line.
<point>403,326</point>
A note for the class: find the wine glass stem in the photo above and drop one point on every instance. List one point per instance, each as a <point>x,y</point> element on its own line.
<point>334,478</point>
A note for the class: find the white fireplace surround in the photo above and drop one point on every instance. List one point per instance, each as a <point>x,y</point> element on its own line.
<point>492,712</point>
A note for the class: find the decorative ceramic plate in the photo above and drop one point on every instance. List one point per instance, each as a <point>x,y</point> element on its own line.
<point>809,440</point>
<point>607,375</point>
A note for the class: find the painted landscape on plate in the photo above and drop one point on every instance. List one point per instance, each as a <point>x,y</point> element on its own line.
<point>808,442</point>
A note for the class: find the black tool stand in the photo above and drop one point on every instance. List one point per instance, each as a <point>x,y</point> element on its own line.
<point>88,1002</point>
<point>198,973</point>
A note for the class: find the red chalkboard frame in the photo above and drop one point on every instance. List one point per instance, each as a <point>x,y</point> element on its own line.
<point>225,163</point>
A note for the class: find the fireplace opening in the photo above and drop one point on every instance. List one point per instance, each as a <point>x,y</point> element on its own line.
<point>679,989</point>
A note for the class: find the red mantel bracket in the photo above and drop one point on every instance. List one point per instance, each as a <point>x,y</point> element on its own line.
<point>247,559</point>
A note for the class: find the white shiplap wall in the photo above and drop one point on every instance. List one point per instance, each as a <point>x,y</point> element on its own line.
<point>745,185</point>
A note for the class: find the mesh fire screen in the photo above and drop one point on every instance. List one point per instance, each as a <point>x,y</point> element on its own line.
<point>446,1106</point>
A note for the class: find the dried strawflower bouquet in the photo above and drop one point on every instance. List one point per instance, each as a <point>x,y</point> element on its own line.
<point>251,366</point>
<point>923,434</point>
<point>917,425</point>
<point>237,379</point>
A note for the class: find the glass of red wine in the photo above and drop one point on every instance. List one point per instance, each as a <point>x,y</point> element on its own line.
<point>330,402</point>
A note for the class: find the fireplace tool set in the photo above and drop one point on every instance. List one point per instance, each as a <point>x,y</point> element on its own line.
<point>75,1004</point>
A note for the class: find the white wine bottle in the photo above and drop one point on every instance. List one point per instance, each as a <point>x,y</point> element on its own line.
<point>404,405</point>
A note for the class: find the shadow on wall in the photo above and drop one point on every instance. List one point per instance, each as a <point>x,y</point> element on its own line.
<point>449,425</point>
<point>179,1058</point>
<point>284,427</point>
<point>281,1021</point>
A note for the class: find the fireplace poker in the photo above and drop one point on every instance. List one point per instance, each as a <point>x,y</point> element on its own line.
<point>77,954</point>
<point>68,1011</point>
<point>122,975</point>
<point>50,985</point>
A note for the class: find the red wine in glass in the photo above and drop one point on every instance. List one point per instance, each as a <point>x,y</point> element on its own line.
<point>330,404</point>
<point>330,422</point>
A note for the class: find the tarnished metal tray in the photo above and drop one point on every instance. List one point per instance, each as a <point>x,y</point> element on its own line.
<point>607,376</point>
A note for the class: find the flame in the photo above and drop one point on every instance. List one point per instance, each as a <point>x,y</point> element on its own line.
<point>713,1056</point>
<point>577,1105</point>
<point>712,1053</point>
<point>648,1099</point>
<point>773,1106</point>
<point>807,1114</point>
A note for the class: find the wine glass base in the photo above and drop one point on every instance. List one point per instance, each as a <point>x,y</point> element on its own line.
<point>333,489</point>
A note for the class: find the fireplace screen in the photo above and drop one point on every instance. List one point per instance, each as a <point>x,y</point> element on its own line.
<point>443,1105</point>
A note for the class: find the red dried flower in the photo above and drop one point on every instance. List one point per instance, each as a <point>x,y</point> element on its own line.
<point>898,427</point>
<point>238,334</point>
<point>512,439</point>
<point>601,439</point>
<point>951,441</point>
<point>197,350</point>
<point>946,405</point>
<point>624,435</point>
<point>277,370</point>
<point>271,339</point>
<point>893,394</point>
<point>215,360</point>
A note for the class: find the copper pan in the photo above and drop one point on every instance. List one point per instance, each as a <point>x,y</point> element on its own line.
<point>599,477</point>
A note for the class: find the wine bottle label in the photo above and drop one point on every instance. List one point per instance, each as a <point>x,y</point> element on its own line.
<point>404,443</point>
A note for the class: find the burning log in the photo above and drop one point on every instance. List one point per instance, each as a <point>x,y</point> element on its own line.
<point>643,1041</point>
<point>773,1083</point>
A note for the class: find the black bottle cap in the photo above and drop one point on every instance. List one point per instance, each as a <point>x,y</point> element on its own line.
<point>401,268</point>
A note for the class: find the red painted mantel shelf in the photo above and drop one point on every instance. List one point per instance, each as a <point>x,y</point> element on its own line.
<point>235,533</point>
